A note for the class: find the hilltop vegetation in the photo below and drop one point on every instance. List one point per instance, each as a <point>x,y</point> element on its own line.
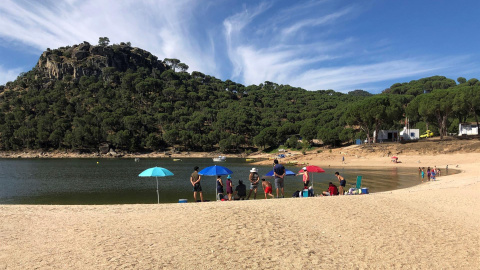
<point>85,96</point>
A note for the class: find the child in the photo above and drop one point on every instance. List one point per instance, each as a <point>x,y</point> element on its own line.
<point>267,188</point>
<point>229,187</point>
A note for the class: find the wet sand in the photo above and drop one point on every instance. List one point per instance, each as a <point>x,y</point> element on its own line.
<point>435,225</point>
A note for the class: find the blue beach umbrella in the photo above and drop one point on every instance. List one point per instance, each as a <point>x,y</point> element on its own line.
<point>215,170</point>
<point>157,172</point>
<point>287,173</point>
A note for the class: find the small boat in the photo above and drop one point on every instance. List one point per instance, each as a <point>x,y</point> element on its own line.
<point>137,159</point>
<point>177,159</point>
<point>220,159</point>
<point>249,159</point>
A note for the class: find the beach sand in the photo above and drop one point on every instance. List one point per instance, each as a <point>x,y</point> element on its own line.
<point>435,225</point>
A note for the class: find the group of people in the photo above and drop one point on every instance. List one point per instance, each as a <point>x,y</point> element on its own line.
<point>240,193</point>
<point>241,189</point>
<point>332,188</point>
<point>431,173</point>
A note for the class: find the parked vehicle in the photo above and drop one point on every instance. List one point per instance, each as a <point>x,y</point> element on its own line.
<point>427,134</point>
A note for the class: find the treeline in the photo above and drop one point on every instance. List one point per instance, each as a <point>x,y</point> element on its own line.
<point>434,103</point>
<point>144,109</point>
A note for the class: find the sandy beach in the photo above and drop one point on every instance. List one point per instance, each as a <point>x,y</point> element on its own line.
<point>435,225</point>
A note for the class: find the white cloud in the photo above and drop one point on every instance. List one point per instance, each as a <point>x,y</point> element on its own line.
<point>263,42</point>
<point>233,27</point>
<point>347,78</point>
<point>330,18</point>
<point>7,75</point>
<point>165,28</point>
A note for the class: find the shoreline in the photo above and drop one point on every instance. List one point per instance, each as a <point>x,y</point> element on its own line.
<point>433,225</point>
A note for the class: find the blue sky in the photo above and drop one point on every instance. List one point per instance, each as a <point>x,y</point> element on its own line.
<point>317,45</point>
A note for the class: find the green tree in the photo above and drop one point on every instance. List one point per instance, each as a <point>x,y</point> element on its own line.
<point>172,63</point>
<point>103,41</point>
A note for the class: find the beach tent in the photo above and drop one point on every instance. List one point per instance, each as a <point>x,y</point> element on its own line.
<point>287,173</point>
<point>157,172</point>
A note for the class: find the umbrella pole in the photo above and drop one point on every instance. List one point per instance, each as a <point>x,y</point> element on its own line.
<point>158,196</point>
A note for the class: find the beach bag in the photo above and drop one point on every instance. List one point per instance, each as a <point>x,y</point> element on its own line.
<point>296,194</point>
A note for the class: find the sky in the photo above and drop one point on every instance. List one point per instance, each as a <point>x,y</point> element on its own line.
<point>342,45</point>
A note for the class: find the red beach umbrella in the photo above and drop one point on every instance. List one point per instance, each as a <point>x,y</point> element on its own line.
<point>394,157</point>
<point>312,169</point>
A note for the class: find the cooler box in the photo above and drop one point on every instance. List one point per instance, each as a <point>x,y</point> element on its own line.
<point>305,193</point>
<point>364,190</point>
<point>182,201</point>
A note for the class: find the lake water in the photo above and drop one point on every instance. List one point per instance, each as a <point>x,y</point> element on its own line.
<point>116,181</point>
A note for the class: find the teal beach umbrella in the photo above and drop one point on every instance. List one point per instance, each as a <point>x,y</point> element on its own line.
<point>157,172</point>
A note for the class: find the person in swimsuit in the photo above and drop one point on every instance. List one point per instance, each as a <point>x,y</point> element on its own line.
<point>306,178</point>
<point>267,188</point>
<point>229,187</point>
<point>219,187</point>
<point>195,180</point>
<point>342,181</point>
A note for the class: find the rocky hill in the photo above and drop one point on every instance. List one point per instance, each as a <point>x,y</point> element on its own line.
<point>87,60</point>
<point>84,59</point>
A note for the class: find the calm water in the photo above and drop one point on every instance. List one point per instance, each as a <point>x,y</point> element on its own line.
<point>116,181</point>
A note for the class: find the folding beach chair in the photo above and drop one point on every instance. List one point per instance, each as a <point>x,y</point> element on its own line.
<point>357,186</point>
<point>359,182</point>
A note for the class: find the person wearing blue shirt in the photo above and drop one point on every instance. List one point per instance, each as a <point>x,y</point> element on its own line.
<point>279,172</point>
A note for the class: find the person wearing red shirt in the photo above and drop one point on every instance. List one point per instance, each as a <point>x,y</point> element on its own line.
<point>332,190</point>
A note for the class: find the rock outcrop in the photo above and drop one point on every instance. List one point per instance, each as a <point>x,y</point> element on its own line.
<point>88,60</point>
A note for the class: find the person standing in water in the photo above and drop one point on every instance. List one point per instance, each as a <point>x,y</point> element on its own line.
<point>229,187</point>
<point>254,178</point>
<point>195,180</point>
<point>279,172</point>
<point>342,181</point>
<point>306,178</point>
<point>219,187</point>
<point>267,188</point>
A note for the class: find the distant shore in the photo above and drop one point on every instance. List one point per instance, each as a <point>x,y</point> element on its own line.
<point>76,154</point>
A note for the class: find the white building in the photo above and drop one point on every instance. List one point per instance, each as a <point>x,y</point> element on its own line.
<point>410,134</point>
<point>467,129</point>
<point>386,135</point>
